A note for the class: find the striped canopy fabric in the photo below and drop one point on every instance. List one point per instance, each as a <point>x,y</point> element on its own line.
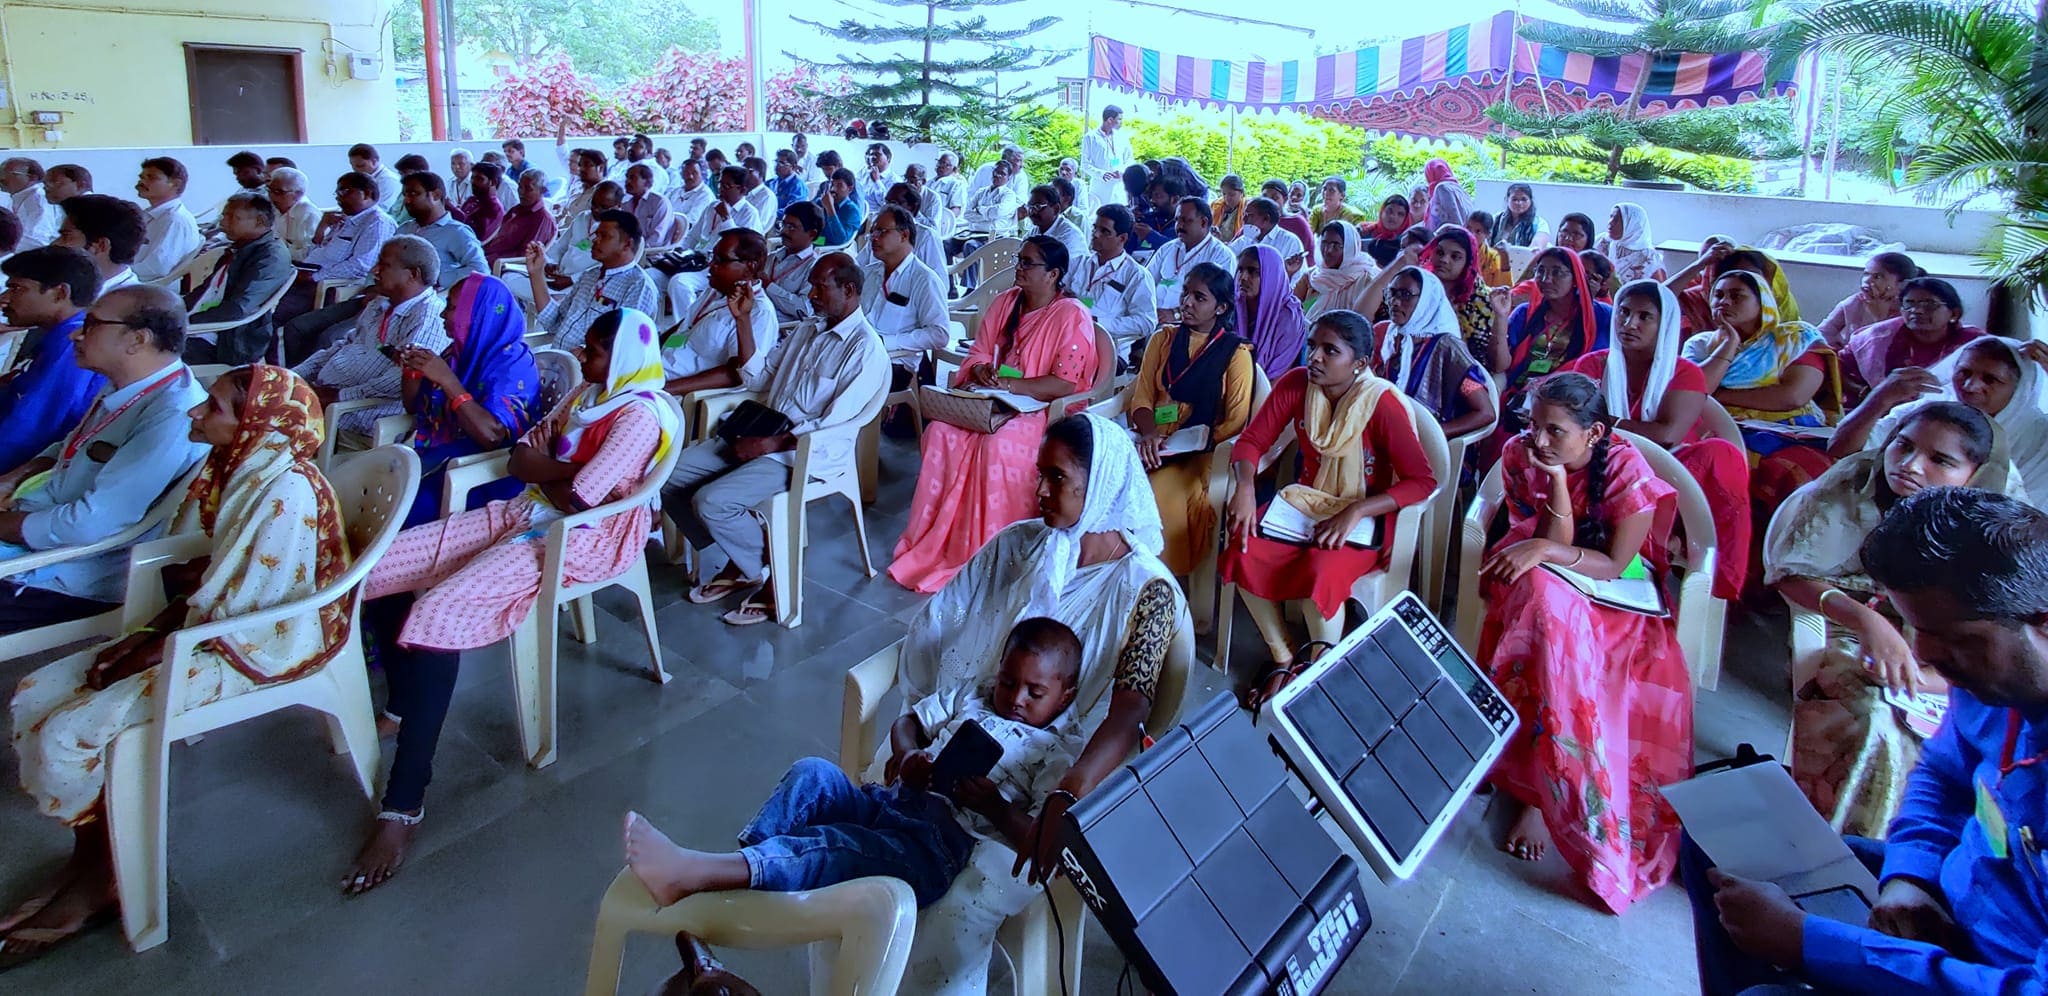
<point>1454,73</point>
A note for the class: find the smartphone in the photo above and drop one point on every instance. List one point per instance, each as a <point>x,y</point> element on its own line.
<point>1843,903</point>
<point>971,753</point>
<point>390,352</point>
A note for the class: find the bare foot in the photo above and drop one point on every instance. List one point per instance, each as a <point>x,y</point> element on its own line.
<point>380,857</point>
<point>1528,839</point>
<point>670,872</point>
<point>40,898</point>
<point>387,725</point>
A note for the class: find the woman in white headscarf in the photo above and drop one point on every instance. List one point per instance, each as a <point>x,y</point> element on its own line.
<point>1342,276</point>
<point>1629,245</point>
<point>2000,377</point>
<point>1422,351</point>
<point>1090,560</point>
<point>1659,395</point>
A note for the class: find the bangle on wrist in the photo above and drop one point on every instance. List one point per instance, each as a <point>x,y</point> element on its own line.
<point>456,403</point>
<point>1822,603</point>
<point>1575,560</point>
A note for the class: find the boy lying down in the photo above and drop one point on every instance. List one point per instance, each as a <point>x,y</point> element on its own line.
<point>819,828</point>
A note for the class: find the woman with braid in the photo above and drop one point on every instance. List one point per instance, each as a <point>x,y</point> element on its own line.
<point>1603,693</point>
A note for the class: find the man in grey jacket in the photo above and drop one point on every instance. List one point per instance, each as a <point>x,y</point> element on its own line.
<point>256,265</point>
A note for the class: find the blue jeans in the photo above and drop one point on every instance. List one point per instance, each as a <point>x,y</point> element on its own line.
<point>1726,970</point>
<point>820,829</point>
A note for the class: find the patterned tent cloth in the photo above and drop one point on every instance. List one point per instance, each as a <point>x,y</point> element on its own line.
<point>1437,84</point>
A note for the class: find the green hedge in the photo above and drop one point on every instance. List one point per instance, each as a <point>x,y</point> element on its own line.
<point>1305,149</point>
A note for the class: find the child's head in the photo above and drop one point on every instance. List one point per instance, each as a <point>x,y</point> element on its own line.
<point>1041,666</point>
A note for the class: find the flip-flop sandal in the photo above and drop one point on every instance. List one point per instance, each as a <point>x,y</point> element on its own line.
<point>750,613</point>
<point>716,590</point>
<point>50,938</point>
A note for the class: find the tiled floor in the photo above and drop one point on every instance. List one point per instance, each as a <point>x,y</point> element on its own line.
<point>500,894</point>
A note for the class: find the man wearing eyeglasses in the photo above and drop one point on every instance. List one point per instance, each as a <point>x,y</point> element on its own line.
<point>904,300</point>
<point>617,281</point>
<point>731,210</point>
<point>103,477</point>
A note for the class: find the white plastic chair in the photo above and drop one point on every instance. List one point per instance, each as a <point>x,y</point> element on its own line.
<point>994,255</point>
<point>335,291</point>
<point>210,331</point>
<point>1030,939</point>
<point>10,347</point>
<point>106,625</point>
<point>200,261</point>
<point>1719,423</point>
<point>788,517</point>
<point>969,307</point>
<point>374,493</point>
<point>858,932</point>
<point>1202,583</point>
<point>1701,616</point>
<point>534,642</point>
<point>1432,558</point>
<point>1373,590</point>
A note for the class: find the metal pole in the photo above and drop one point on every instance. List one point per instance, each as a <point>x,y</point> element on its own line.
<point>448,68</point>
<point>1811,103</point>
<point>757,101</point>
<point>1230,150</point>
<point>1834,133</point>
<point>437,106</point>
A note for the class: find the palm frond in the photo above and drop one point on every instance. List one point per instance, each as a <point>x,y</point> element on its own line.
<point>2017,256</point>
<point>1985,43</point>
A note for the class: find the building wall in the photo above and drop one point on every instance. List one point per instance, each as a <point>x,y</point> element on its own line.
<point>117,70</point>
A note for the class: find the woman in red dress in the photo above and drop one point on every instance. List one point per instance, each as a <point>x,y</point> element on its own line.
<point>1603,693</point>
<point>1360,459</point>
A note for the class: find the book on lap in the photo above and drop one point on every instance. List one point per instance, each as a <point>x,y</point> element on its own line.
<point>1012,399</point>
<point>1192,439</point>
<point>1287,524</point>
<point>1632,592</point>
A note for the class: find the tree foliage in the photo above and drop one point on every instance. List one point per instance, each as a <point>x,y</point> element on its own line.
<point>1616,134</point>
<point>684,92</point>
<point>919,92</point>
<point>1977,87</point>
<point>612,40</point>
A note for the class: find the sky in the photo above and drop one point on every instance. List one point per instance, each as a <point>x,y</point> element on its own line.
<point>1182,27</point>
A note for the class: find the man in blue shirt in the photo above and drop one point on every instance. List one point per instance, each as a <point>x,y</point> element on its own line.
<point>843,214</point>
<point>47,392</point>
<point>426,201</point>
<point>1962,905</point>
<point>788,183</point>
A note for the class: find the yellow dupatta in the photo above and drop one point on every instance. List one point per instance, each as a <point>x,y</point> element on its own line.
<point>1337,431</point>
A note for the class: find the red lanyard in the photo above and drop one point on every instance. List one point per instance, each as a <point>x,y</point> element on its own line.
<point>2006,764</point>
<point>1166,371</point>
<point>775,277</point>
<point>1102,275</point>
<point>84,433</point>
<point>711,301</point>
<point>385,325</point>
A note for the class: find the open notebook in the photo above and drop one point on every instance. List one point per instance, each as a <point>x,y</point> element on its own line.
<point>1287,524</point>
<point>1193,439</point>
<point>1637,593</point>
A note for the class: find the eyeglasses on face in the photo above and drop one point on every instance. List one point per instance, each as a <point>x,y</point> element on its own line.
<point>1552,273</point>
<point>1402,296</point>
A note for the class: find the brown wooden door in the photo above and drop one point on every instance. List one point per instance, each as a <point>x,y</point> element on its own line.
<point>242,95</point>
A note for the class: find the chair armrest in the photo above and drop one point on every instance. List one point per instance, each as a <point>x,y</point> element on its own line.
<point>332,417</point>
<point>216,328</point>
<point>146,562</point>
<point>867,684</point>
<point>464,474</point>
<point>392,429</point>
<point>38,559</point>
<point>341,289</point>
<point>712,406</point>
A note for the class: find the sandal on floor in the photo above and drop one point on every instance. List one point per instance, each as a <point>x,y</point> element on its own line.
<point>717,590</point>
<point>750,613</point>
<point>50,938</point>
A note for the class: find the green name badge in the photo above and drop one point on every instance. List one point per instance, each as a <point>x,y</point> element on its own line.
<point>1540,367</point>
<point>1087,302</point>
<point>1167,413</point>
<point>1007,370</point>
<point>1168,281</point>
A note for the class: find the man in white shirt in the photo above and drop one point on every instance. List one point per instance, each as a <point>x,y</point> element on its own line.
<point>931,208</point>
<point>1262,227</point>
<point>789,271</point>
<point>759,194</point>
<point>109,229</point>
<point>875,179</point>
<point>730,211</point>
<point>1070,173</point>
<point>568,255</point>
<point>345,246</point>
<point>949,185</point>
<point>728,339</point>
<point>925,245</point>
<point>991,211</point>
<point>1105,151</point>
<point>1043,211</point>
<point>694,196</point>
<point>297,218</point>
<point>1112,286</point>
<point>22,179</point>
<point>363,158</point>
<point>172,233</point>
<point>640,149</point>
<point>904,300</point>
<point>827,372</point>
<point>1196,245</point>
<point>985,176</point>
<point>617,281</point>
<point>586,172</point>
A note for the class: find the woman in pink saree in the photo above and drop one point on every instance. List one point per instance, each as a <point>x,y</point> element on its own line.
<point>1034,341</point>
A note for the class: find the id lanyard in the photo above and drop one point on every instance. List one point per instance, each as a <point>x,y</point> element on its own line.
<point>1101,278</point>
<point>84,432</point>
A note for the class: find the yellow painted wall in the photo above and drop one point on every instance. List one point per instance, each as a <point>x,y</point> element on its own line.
<point>117,70</point>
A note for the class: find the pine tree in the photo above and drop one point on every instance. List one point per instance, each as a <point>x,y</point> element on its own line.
<point>1654,28</point>
<point>915,94</point>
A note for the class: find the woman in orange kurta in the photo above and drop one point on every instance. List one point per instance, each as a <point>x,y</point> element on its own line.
<point>1360,459</point>
<point>1035,341</point>
<point>1198,372</point>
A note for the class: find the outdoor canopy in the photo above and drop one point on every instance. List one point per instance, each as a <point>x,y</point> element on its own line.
<point>1437,84</point>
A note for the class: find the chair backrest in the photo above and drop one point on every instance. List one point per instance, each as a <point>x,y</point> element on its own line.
<point>1693,514</point>
<point>206,373</point>
<point>372,492</point>
<point>10,344</point>
<point>1105,366</point>
<point>1001,253</point>
<point>971,306</point>
<point>1720,424</point>
<point>559,375</point>
<point>1435,448</point>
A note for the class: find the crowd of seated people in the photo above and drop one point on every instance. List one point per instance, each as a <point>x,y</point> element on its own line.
<point>1054,541</point>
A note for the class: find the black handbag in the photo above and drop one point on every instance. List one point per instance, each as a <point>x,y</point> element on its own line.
<point>675,261</point>
<point>752,419</point>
